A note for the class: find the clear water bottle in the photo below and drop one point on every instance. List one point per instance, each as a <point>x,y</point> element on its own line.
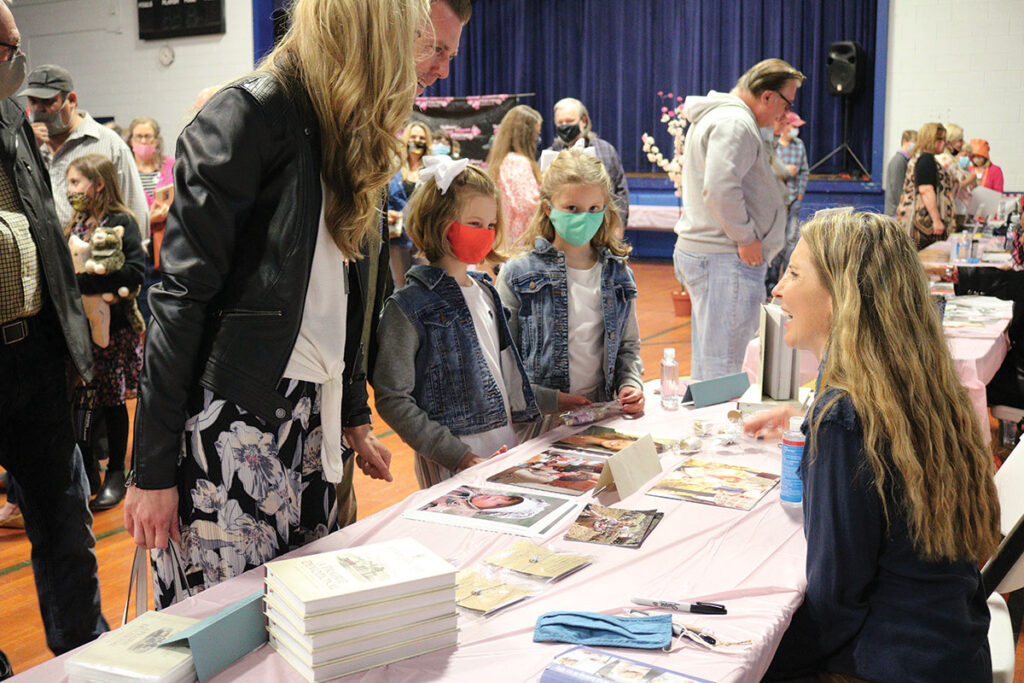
<point>669,380</point>
<point>791,491</point>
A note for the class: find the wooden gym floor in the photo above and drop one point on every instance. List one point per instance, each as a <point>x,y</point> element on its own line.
<point>21,629</point>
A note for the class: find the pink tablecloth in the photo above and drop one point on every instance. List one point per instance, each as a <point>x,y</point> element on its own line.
<point>751,561</point>
<point>977,353</point>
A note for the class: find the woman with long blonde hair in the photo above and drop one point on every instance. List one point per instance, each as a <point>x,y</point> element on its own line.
<point>926,206</point>
<point>254,363</point>
<point>512,166</point>
<point>899,501</point>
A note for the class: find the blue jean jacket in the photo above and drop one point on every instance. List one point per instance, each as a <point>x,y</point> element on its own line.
<point>429,352</point>
<point>397,200</point>
<point>534,287</point>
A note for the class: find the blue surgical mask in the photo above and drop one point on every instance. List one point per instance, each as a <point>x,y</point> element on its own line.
<point>576,228</point>
<point>794,133</point>
<point>964,162</point>
<point>594,628</point>
<point>441,149</point>
<point>911,146</point>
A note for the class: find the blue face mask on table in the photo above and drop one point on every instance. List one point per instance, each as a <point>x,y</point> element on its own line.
<point>594,628</point>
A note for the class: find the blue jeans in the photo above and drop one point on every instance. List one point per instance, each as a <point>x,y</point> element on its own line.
<point>726,295</point>
<point>37,447</point>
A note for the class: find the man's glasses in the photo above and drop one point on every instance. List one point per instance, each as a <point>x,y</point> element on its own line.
<point>8,51</point>
<point>789,102</point>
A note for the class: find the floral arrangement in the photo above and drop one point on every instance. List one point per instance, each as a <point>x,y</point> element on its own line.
<point>674,120</point>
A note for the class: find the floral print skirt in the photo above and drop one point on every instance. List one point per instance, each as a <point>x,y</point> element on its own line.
<point>247,492</point>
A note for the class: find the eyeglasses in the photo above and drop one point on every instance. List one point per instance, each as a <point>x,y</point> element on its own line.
<point>789,102</point>
<point>143,138</point>
<point>8,51</point>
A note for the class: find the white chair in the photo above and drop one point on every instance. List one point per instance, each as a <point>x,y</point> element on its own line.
<point>1004,572</point>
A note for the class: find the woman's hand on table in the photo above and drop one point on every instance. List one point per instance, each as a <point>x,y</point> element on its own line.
<point>770,424</point>
<point>372,457</point>
<point>151,516</point>
<point>571,401</point>
<point>631,399</point>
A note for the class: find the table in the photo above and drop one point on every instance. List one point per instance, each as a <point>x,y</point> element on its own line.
<point>977,351</point>
<point>752,561</point>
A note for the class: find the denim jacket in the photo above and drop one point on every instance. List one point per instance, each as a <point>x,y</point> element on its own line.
<point>397,199</point>
<point>534,287</point>
<point>432,382</point>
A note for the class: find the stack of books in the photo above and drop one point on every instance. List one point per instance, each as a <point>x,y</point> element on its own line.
<point>340,612</point>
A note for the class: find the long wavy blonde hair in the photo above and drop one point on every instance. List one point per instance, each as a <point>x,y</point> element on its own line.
<point>887,351</point>
<point>573,166</point>
<point>516,133</point>
<point>355,59</point>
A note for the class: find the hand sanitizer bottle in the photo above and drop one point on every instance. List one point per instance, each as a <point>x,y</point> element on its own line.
<point>669,381</point>
<point>791,490</point>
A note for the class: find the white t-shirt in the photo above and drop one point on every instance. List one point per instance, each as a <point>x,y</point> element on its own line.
<point>482,309</point>
<point>586,330</point>
<point>319,352</point>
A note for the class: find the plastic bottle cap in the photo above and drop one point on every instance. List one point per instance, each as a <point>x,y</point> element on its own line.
<point>670,353</point>
<point>795,423</point>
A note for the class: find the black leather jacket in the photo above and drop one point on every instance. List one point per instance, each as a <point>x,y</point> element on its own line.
<point>24,165</point>
<point>235,262</point>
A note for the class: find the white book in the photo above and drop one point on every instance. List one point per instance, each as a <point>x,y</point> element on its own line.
<point>132,653</point>
<point>360,629</point>
<point>320,655</point>
<point>336,618</point>
<point>355,576</point>
<point>365,660</point>
<point>780,365</point>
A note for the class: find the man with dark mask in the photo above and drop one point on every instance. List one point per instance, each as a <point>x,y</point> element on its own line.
<point>573,128</point>
<point>42,330</point>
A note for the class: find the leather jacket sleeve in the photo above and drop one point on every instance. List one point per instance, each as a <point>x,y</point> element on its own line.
<point>221,158</point>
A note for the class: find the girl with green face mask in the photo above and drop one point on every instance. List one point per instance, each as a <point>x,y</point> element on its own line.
<point>572,295</point>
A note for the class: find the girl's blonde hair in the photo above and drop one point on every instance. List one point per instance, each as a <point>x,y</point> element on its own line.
<point>928,138</point>
<point>429,214</point>
<point>517,133</point>
<point>406,136</point>
<point>355,61</point>
<point>97,168</point>
<point>573,166</point>
<point>887,351</point>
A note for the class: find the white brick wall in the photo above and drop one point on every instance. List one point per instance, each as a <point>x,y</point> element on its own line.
<point>959,61</point>
<point>116,74</point>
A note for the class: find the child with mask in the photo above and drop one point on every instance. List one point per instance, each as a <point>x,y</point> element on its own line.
<point>448,378</point>
<point>572,297</point>
<point>95,197</point>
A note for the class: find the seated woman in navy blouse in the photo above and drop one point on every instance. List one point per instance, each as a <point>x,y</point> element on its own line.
<point>899,503</point>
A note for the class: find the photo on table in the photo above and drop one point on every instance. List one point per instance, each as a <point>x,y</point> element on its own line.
<point>583,663</point>
<point>714,483</point>
<point>555,472</point>
<point>613,526</point>
<point>537,562</point>
<point>605,441</point>
<point>491,509</point>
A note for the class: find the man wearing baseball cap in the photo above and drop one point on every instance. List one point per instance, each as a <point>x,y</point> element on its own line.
<point>65,133</point>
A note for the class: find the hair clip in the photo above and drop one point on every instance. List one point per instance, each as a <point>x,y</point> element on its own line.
<point>443,170</point>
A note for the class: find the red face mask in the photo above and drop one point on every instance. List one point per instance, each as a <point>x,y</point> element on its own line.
<point>470,244</point>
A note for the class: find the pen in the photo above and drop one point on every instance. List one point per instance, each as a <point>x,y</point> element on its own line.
<point>692,607</point>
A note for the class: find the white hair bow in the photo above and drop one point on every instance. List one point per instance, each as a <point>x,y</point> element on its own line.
<point>443,170</point>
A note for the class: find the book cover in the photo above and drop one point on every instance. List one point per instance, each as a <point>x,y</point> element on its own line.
<point>613,526</point>
<point>336,618</point>
<point>506,511</point>
<point>554,472</point>
<point>537,561</point>
<point>587,664</point>
<point>133,652</point>
<point>366,660</point>
<point>714,483</point>
<point>354,576</point>
<point>605,441</point>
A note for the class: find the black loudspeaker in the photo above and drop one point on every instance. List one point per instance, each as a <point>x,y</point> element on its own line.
<point>847,68</point>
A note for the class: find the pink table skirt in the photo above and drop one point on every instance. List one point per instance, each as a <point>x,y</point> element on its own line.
<point>751,561</point>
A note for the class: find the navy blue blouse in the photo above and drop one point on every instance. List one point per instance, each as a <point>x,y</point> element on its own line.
<point>874,609</point>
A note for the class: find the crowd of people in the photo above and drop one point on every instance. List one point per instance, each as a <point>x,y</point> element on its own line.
<point>280,284</point>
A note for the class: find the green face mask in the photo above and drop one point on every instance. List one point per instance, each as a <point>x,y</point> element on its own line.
<point>576,228</point>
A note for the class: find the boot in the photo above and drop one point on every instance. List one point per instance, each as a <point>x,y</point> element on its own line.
<point>112,491</point>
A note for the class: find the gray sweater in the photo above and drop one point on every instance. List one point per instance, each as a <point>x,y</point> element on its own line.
<point>730,192</point>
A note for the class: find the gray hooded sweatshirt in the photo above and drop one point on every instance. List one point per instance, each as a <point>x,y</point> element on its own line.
<point>730,192</point>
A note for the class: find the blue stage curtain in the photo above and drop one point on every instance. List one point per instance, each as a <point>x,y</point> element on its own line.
<point>615,55</point>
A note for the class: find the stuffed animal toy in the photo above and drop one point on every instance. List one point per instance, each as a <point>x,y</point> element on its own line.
<point>103,254</point>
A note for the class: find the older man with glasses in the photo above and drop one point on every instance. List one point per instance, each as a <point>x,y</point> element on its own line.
<point>734,212</point>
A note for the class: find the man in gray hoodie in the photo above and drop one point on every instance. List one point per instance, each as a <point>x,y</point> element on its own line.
<point>734,217</point>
